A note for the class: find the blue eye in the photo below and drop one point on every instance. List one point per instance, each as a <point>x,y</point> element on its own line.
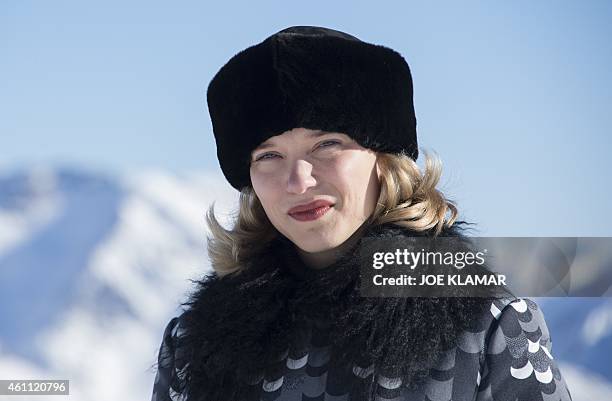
<point>263,157</point>
<point>333,142</point>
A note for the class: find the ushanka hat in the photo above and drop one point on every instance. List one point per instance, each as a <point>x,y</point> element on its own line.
<point>316,78</point>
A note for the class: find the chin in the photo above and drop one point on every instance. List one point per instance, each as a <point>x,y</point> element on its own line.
<point>315,248</point>
<point>313,245</point>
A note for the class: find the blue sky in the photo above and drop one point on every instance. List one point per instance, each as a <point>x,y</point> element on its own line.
<point>515,97</point>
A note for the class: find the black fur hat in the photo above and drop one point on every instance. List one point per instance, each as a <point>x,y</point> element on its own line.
<point>316,78</point>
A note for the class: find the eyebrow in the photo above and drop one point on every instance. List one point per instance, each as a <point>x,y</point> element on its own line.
<point>314,134</point>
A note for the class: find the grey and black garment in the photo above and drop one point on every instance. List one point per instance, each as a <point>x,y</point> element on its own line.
<point>283,331</point>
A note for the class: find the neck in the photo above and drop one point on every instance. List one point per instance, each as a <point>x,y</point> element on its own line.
<point>323,259</point>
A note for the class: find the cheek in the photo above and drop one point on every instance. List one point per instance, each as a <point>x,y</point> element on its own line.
<point>352,176</point>
<point>268,190</point>
<point>265,188</point>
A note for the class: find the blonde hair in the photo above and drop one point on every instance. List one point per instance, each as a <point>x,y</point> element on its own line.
<point>408,198</point>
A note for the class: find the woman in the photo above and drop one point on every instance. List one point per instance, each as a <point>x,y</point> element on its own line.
<point>317,131</point>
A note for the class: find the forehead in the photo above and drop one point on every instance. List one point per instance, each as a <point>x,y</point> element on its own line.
<point>309,134</point>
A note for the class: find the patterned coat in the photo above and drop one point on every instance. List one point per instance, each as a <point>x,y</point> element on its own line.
<point>502,352</point>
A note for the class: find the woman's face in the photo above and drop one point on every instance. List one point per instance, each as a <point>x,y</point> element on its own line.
<point>303,165</point>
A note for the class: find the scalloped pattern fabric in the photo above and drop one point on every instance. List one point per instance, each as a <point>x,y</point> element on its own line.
<point>509,359</point>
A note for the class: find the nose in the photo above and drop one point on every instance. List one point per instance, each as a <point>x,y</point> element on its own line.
<point>300,177</point>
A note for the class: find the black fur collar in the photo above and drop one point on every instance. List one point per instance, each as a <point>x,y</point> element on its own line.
<point>237,326</point>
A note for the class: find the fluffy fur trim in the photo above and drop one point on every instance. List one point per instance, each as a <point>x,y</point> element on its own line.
<point>238,326</point>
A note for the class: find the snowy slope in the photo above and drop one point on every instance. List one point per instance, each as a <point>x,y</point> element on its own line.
<point>93,266</point>
<point>581,331</point>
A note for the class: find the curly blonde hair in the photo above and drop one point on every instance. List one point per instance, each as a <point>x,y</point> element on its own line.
<point>408,198</point>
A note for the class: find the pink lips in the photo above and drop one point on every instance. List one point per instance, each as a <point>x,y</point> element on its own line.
<point>310,206</point>
<point>310,211</point>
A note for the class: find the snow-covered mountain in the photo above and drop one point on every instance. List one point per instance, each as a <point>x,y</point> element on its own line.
<point>92,266</point>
